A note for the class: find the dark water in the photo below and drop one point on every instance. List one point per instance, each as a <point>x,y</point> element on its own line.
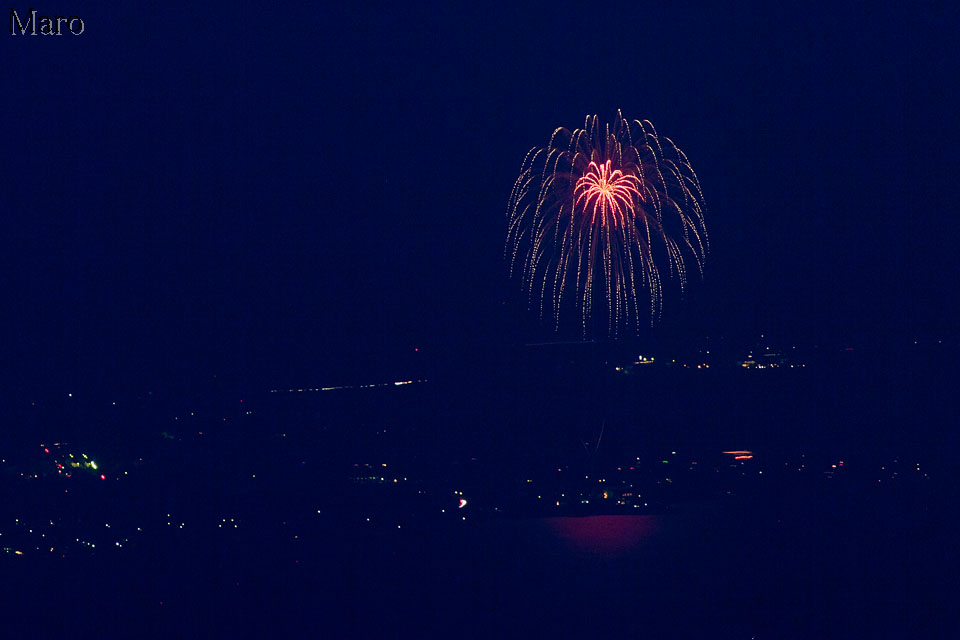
<point>825,568</point>
<point>710,569</point>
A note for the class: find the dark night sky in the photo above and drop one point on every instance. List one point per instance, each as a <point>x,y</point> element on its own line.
<point>274,191</point>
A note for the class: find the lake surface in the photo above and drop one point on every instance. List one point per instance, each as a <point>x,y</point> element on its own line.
<point>720,569</point>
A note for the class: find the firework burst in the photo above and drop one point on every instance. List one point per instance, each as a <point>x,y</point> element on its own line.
<point>604,208</point>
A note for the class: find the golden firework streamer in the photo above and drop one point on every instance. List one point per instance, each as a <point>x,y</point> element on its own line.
<point>602,208</point>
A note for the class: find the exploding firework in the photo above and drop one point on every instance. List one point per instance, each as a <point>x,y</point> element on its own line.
<point>601,208</point>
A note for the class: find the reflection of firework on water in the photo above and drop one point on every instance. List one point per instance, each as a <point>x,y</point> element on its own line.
<point>599,208</point>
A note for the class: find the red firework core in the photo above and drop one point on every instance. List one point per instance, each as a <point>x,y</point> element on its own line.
<point>608,194</point>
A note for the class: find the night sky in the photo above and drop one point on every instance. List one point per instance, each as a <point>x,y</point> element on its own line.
<point>275,192</point>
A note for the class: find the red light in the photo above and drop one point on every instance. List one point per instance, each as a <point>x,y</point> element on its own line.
<point>45,450</point>
<point>103,477</point>
<point>603,535</point>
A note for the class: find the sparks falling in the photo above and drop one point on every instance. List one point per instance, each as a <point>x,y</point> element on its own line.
<point>600,209</point>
